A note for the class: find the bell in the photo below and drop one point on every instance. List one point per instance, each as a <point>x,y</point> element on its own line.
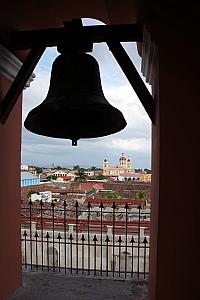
<point>75,106</point>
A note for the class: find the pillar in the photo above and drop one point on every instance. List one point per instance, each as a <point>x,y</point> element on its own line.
<point>171,63</point>
<point>10,193</point>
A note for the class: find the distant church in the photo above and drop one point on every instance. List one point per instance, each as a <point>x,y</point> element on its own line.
<point>124,167</point>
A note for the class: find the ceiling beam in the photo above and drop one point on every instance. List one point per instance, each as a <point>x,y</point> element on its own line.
<point>21,40</point>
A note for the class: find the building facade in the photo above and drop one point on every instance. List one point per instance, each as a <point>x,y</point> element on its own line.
<point>27,178</point>
<point>124,167</point>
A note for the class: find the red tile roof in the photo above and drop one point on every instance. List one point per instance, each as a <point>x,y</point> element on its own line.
<point>88,186</point>
<point>108,202</point>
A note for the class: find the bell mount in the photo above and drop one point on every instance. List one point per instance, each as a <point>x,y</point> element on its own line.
<point>83,37</point>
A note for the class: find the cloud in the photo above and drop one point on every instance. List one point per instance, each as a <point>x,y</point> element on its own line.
<point>87,153</point>
<point>135,144</point>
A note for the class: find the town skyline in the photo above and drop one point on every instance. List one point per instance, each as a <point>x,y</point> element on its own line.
<point>86,166</point>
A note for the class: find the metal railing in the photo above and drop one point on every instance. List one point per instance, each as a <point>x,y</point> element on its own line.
<point>100,241</point>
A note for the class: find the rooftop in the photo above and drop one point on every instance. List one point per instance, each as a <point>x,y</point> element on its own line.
<point>28,175</point>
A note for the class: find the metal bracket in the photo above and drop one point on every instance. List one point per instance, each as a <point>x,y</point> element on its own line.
<point>75,40</point>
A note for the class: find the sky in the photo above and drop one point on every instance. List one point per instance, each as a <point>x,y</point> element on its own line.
<point>134,140</point>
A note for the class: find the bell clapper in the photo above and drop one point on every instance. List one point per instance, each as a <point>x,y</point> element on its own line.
<point>74,142</point>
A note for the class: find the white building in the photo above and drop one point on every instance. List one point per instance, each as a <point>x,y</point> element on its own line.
<point>71,175</point>
<point>128,176</point>
<point>60,173</point>
<point>89,173</point>
<point>44,196</point>
<point>24,167</point>
<point>27,179</point>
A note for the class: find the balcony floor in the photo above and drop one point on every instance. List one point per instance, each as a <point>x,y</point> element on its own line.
<point>52,286</point>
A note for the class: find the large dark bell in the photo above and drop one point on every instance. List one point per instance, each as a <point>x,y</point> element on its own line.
<point>75,106</point>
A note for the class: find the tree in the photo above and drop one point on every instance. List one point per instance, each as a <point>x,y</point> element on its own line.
<point>100,177</point>
<point>141,195</point>
<point>80,175</point>
<point>111,195</point>
<point>148,171</point>
<point>76,167</point>
<point>93,168</point>
<point>38,170</point>
<point>52,177</point>
<point>30,192</point>
<point>59,168</point>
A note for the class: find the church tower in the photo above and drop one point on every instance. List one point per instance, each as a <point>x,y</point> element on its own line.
<point>128,163</point>
<point>122,161</point>
<point>105,166</point>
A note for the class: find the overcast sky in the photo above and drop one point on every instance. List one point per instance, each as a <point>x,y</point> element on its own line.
<point>134,140</point>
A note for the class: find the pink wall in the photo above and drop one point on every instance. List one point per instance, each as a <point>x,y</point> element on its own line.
<point>174,259</point>
<point>10,149</point>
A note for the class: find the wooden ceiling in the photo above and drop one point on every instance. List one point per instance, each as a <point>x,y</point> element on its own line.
<point>28,15</point>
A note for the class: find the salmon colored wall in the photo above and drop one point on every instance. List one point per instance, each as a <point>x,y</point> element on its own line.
<point>10,148</point>
<point>175,215</point>
<point>154,192</point>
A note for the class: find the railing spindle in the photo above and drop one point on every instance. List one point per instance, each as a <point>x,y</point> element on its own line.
<point>138,245</point>
<point>76,207</point>
<point>30,225</point>
<point>65,235</point>
<point>47,237</point>
<point>95,253</point>
<point>41,231</point>
<point>83,252</point>
<point>25,249</point>
<point>120,241</point>
<point>71,245</point>
<point>101,207</point>
<point>36,249</point>
<point>59,238</point>
<point>145,248</point>
<point>132,241</point>
<point>113,235</point>
<point>126,233</point>
<point>107,241</point>
<point>53,219</point>
<point>88,232</point>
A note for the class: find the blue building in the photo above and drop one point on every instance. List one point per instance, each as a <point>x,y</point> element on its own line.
<point>28,178</point>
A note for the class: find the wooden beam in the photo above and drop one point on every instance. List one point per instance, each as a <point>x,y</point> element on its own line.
<point>21,40</point>
<point>19,82</point>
